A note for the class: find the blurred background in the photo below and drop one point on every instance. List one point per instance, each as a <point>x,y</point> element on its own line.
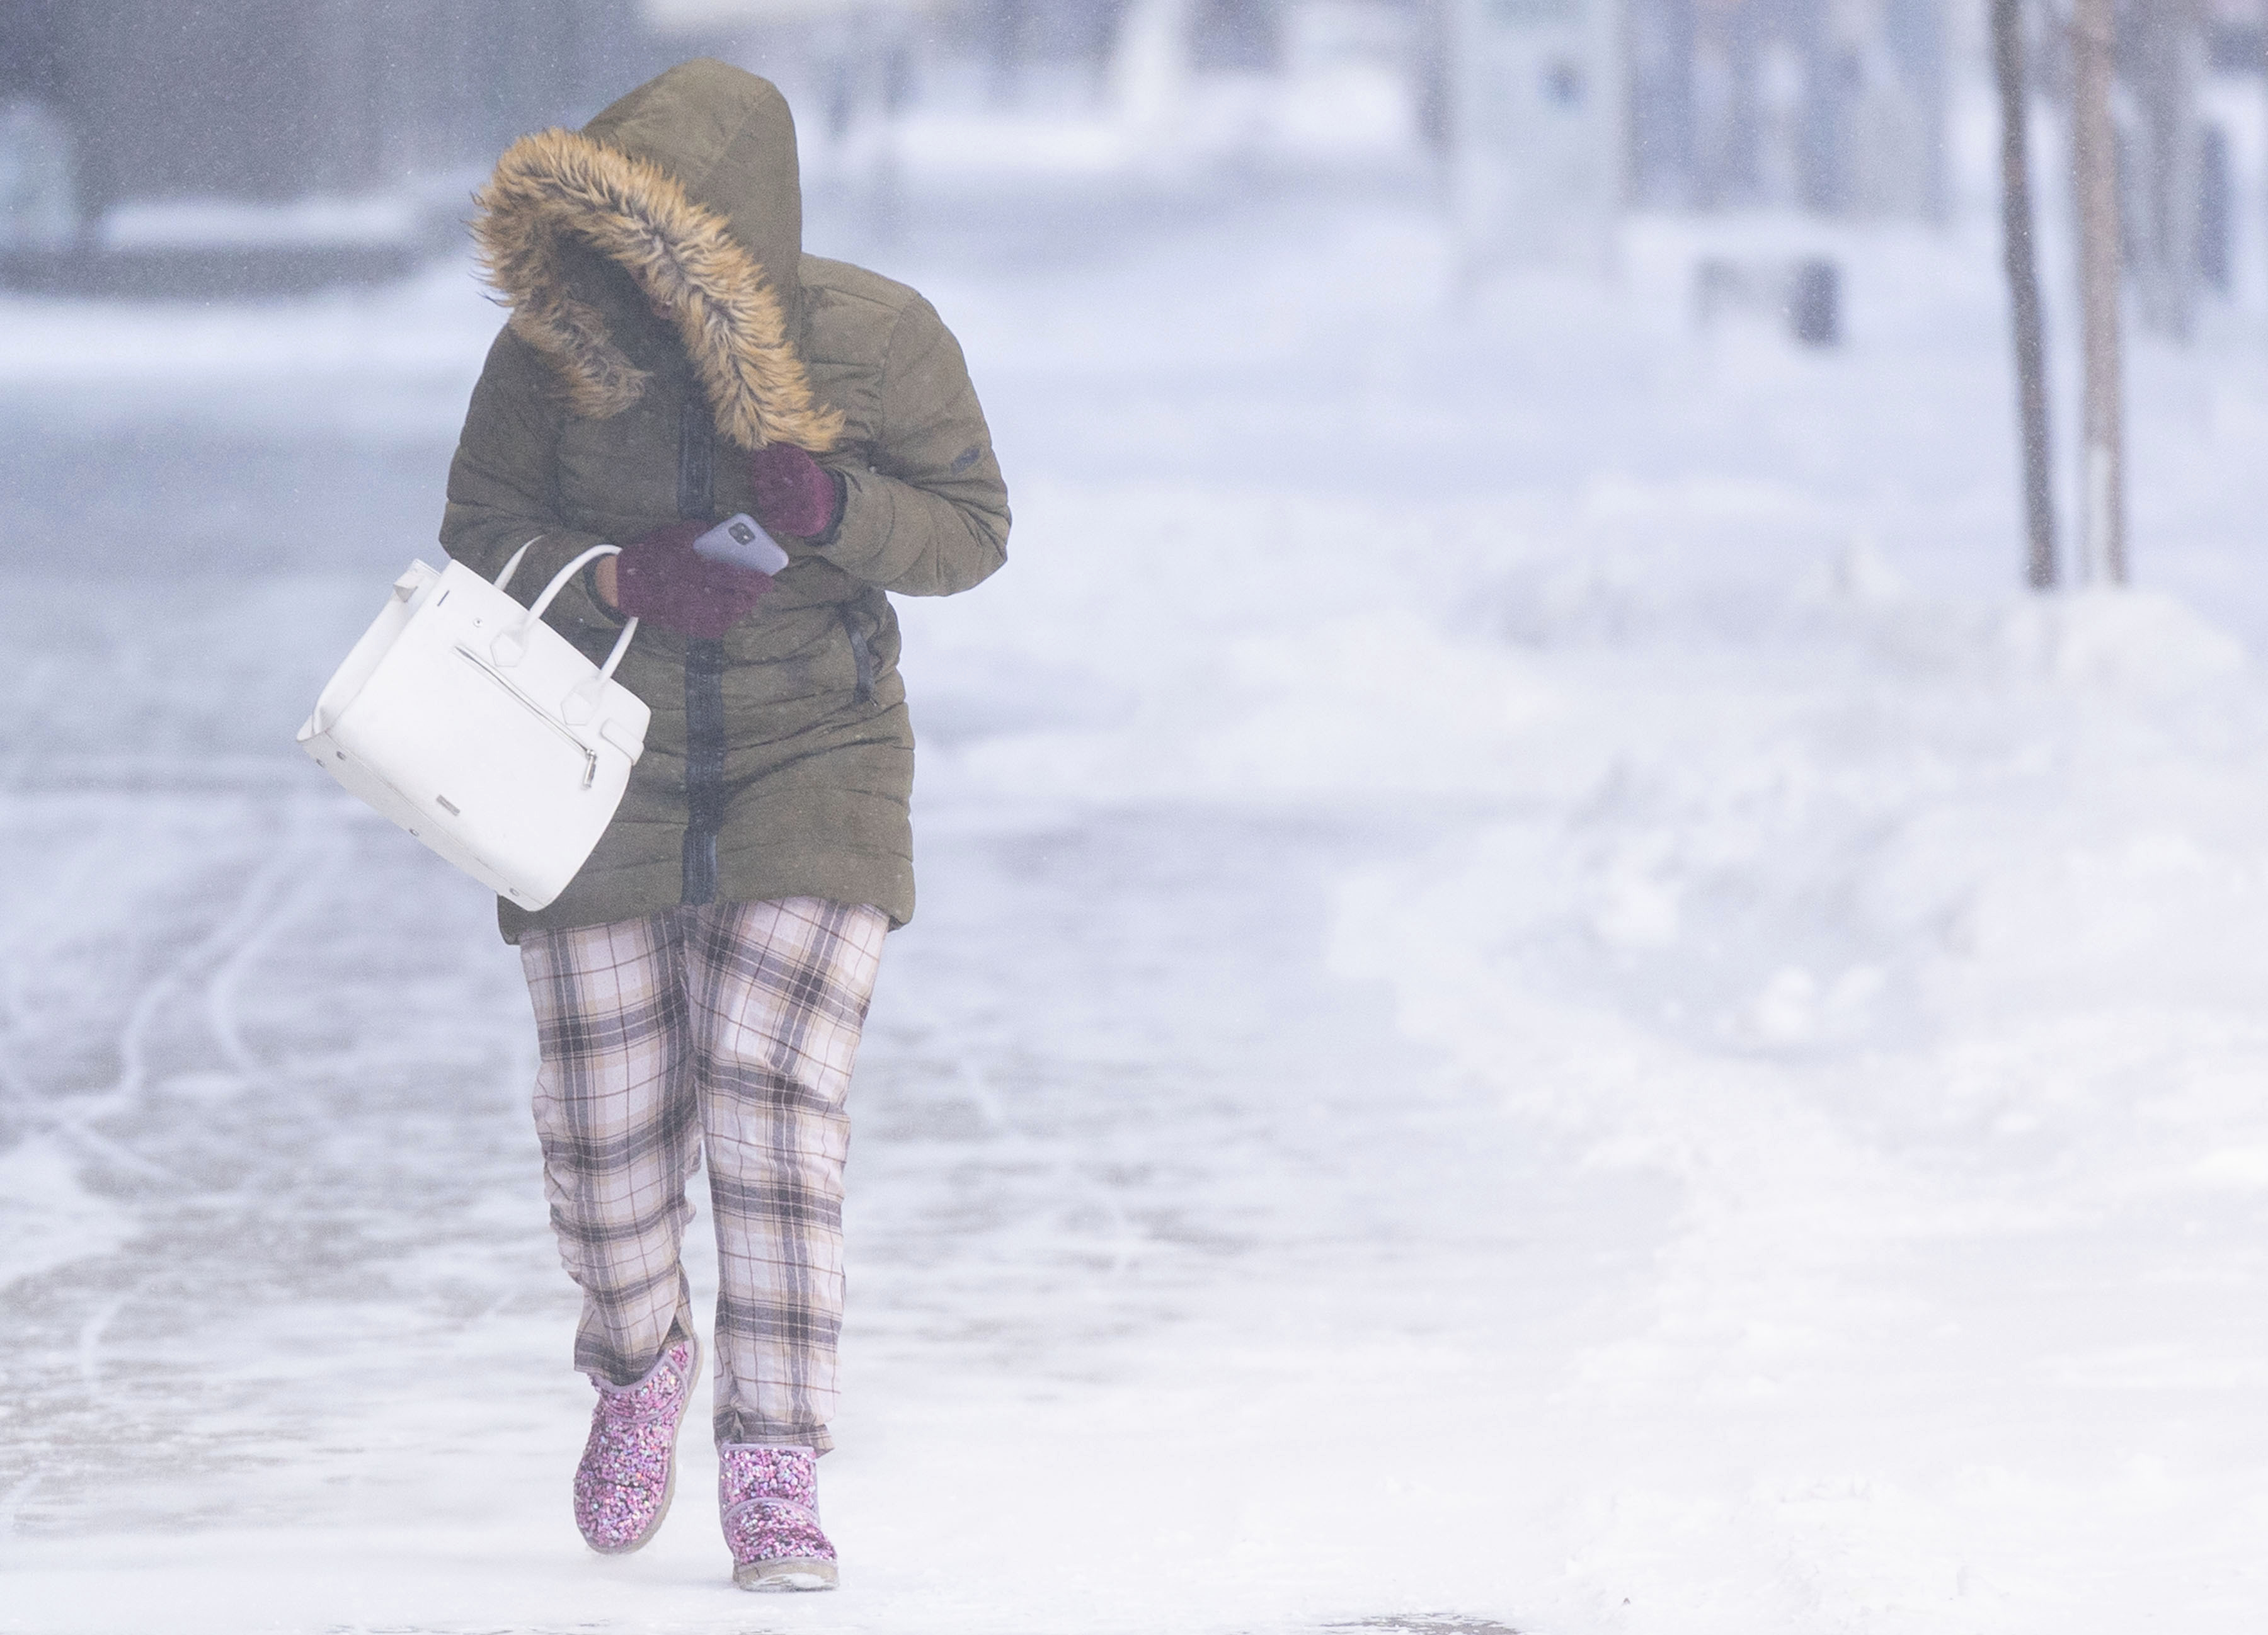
<point>1549,994</point>
<point>150,146</point>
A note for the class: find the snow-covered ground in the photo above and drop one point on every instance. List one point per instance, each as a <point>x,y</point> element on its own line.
<point>1541,1001</point>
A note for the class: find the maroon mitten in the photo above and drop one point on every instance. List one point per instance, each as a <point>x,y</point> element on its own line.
<point>793,493</point>
<point>662,578</point>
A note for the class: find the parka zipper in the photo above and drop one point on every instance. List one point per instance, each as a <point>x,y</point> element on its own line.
<point>704,674</point>
<point>862,653</point>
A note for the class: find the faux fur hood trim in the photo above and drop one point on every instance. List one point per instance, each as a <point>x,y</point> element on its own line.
<point>555,185</point>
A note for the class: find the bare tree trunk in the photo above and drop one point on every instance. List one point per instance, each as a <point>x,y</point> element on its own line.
<point>2162,71</point>
<point>2094,165</point>
<point>2023,292</point>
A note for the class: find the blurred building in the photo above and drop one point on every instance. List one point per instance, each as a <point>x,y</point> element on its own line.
<point>1537,96</point>
<point>276,100</point>
<point>2187,81</point>
<point>1838,107</point>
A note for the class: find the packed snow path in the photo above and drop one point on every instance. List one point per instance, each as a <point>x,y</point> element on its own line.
<point>1536,1005</point>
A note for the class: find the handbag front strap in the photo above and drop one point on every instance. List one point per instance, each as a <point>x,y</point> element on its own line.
<point>559,580</point>
<point>621,646</point>
<point>511,645</point>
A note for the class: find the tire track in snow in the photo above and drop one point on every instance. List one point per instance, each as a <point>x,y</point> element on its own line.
<point>307,866</point>
<point>204,976</point>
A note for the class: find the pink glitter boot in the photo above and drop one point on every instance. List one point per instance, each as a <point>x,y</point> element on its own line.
<point>770,1499</point>
<point>629,1472</point>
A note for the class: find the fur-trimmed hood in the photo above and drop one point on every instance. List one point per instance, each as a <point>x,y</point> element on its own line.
<point>689,185</point>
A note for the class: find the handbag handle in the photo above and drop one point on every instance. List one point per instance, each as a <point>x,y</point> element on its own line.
<point>511,646</point>
<point>503,579</point>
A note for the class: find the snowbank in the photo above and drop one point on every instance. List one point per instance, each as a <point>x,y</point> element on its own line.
<point>1814,1185</point>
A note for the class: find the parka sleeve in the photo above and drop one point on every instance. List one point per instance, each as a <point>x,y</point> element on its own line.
<point>502,485</point>
<point>924,512</point>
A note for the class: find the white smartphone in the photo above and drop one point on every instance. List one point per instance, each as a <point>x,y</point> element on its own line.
<point>742,540</point>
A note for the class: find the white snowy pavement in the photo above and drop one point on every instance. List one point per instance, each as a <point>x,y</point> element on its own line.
<point>1537,1002</point>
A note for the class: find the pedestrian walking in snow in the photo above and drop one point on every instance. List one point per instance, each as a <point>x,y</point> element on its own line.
<point>673,358</point>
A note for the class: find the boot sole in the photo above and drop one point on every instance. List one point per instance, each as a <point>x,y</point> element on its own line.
<point>785,1575</point>
<point>669,1488</point>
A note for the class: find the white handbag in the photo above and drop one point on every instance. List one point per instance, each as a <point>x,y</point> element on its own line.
<point>473,724</point>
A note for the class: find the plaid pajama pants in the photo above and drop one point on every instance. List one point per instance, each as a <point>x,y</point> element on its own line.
<point>728,1029</point>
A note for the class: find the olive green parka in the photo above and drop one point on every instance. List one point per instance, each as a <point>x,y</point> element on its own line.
<point>664,321</point>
